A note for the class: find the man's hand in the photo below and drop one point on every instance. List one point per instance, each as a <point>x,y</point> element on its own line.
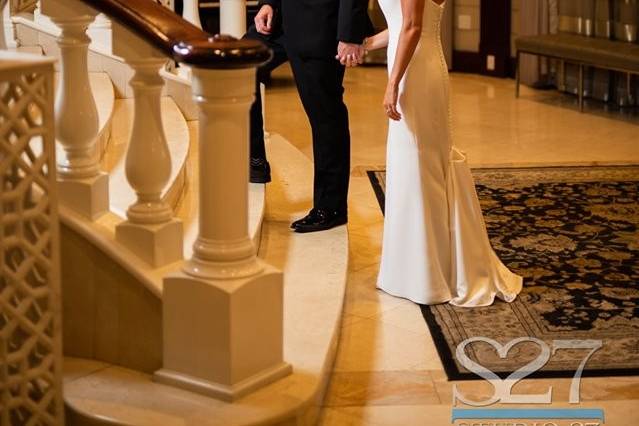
<point>350,54</point>
<point>264,20</point>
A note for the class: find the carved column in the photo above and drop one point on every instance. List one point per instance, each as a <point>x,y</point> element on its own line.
<point>83,187</point>
<point>100,33</point>
<point>223,248</point>
<point>223,315</point>
<point>150,232</point>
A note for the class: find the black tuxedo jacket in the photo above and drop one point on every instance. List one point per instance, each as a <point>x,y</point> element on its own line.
<point>313,27</point>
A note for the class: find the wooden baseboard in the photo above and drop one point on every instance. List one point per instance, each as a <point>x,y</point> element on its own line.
<point>473,63</point>
<point>468,62</point>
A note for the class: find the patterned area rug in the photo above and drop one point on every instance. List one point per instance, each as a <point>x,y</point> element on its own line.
<point>572,232</point>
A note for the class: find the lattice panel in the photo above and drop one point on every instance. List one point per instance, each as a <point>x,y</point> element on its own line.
<point>30,327</point>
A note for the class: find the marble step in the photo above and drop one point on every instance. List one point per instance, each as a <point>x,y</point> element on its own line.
<point>315,268</point>
<point>291,197</point>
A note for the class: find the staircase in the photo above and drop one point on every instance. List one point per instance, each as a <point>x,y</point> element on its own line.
<point>119,323</point>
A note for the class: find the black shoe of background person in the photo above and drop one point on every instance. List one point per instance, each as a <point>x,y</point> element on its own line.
<point>319,220</point>
<point>260,171</point>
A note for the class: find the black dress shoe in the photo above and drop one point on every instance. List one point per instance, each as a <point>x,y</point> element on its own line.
<point>319,220</point>
<point>305,220</point>
<point>260,171</point>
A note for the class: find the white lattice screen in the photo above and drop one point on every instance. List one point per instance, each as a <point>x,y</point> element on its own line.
<point>30,327</point>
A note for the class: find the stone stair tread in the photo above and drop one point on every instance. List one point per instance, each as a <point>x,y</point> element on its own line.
<point>291,198</point>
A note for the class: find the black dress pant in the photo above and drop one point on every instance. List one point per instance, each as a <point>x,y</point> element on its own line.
<point>319,83</point>
<point>276,43</point>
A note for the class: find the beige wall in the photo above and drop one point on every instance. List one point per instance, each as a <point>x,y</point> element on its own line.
<point>466,39</point>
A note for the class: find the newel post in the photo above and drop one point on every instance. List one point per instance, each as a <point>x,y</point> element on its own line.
<point>151,231</point>
<point>223,315</point>
<point>83,187</point>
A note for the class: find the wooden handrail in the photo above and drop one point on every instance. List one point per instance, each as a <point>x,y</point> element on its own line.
<point>180,39</point>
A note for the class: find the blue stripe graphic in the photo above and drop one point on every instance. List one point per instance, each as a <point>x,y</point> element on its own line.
<point>528,413</point>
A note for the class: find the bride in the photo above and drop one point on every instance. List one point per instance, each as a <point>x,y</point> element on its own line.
<point>435,246</point>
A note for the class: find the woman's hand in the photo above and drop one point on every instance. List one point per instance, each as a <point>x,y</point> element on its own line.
<point>390,101</point>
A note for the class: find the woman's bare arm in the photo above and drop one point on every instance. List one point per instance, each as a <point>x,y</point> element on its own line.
<point>412,14</point>
<point>412,17</point>
<point>378,41</point>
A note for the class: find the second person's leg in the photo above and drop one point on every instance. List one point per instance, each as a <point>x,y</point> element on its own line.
<point>319,81</point>
<point>260,169</point>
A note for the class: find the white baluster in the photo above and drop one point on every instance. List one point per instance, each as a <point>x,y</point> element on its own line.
<point>233,17</point>
<point>83,187</point>
<point>100,33</point>
<point>44,21</point>
<point>191,12</point>
<point>223,316</point>
<point>7,31</point>
<point>4,21</point>
<point>151,232</point>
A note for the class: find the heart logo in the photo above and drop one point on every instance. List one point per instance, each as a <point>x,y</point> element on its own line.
<point>503,387</point>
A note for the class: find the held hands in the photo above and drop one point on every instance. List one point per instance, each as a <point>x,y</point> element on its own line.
<point>350,54</point>
<point>390,101</point>
<point>264,20</point>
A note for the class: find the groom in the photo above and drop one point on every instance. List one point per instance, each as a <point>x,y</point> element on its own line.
<point>314,33</point>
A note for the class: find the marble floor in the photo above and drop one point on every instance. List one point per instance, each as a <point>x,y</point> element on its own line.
<point>387,371</point>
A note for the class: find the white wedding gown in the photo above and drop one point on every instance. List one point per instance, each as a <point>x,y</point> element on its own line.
<point>436,248</point>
